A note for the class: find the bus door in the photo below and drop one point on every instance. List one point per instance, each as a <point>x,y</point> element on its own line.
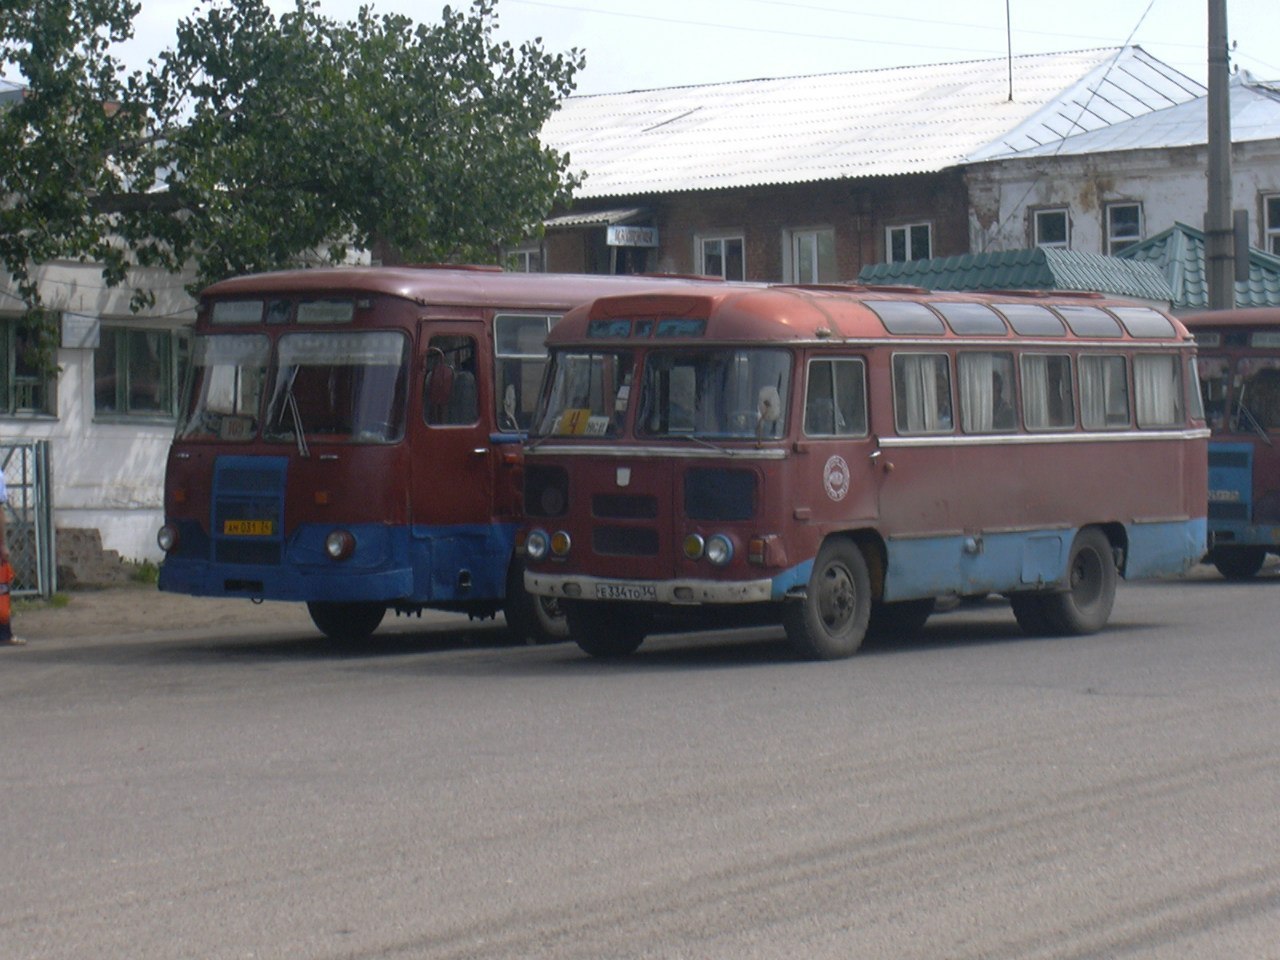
<point>839,480</point>
<point>452,499</point>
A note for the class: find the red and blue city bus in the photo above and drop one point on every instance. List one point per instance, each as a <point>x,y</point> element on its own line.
<point>351,438</point>
<point>1239,368</point>
<point>838,458</point>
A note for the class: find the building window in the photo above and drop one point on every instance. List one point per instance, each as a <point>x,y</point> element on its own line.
<point>1052,227</point>
<point>722,257</point>
<point>1271,224</point>
<point>136,372</point>
<point>811,256</point>
<point>911,241</point>
<point>1124,226</point>
<point>525,260</point>
<point>23,388</point>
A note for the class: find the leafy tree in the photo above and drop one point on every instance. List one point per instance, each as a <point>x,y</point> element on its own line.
<point>257,141</point>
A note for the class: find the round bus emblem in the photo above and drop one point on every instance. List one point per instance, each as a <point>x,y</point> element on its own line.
<point>835,478</point>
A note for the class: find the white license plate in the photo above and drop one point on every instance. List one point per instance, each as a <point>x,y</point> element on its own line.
<point>626,591</point>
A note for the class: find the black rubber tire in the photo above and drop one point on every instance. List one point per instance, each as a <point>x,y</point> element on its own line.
<point>1029,611</point>
<point>347,622</point>
<point>1238,563</point>
<point>831,620</point>
<point>902,618</point>
<point>606,631</point>
<point>1085,606</point>
<point>531,618</point>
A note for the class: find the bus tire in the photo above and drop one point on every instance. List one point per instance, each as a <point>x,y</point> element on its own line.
<point>831,620</point>
<point>1029,610</point>
<point>902,618</point>
<point>347,622</point>
<point>1085,606</point>
<point>530,617</point>
<point>606,631</point>
<point>1238,563</point>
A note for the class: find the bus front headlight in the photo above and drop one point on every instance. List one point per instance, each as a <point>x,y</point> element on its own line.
<point>719,549</point>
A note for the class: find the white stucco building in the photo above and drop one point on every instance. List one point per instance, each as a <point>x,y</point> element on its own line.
<point>1102,191</point>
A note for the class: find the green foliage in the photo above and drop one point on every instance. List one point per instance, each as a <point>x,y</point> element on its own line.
<point>259,142</point>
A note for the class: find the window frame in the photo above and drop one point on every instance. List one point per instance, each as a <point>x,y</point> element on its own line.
<point>721,237</point>
<point>791,266</point>
<point>903,380</point>
<point>177,362</point>
<point>858,429</point>
<point>1028,393</point>
<point>907,232</point>
<point>1270,221</point>
<point>16,385</point>
<point>1114,242</point>
<point>1039,212</point>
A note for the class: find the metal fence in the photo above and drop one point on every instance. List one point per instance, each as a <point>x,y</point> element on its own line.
<point>29,517</point>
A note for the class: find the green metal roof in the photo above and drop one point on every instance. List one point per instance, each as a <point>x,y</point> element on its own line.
<point>1179,254</point>
<point>1040,268</point>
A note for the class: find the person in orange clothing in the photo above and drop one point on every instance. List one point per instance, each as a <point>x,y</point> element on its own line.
<point>7,639</point>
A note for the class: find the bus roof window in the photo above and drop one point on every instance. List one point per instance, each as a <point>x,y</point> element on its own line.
<point>233,312</point>
<point>971,319</point>
<point>1033,320</point>
<point>1090,321</point>
<point>1144,323</point>
<point>906,317</point>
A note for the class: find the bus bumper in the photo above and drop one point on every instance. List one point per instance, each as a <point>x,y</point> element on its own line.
<point>675,592</point>
<point>199,578</point>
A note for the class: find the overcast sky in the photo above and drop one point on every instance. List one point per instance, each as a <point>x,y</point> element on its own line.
<point>661,43</point>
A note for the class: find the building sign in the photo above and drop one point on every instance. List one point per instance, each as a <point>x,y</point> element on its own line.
<point>624,236</point>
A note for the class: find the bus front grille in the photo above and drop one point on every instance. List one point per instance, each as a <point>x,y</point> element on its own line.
<point>625,541</point>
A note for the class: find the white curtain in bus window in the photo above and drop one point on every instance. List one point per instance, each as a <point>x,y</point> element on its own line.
<point>1104,393</point>
<point>922,392</point>
<point>986,392</point>
<point>1157,380</point>
<point>1047,402</point>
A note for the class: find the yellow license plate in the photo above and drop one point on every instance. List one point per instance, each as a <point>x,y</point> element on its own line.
<point>248,528</point>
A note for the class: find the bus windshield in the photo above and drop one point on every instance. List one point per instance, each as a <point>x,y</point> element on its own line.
<point>227,375</point>
<point>729,393</point>
<point>340,386</point>
<point>586,394</point>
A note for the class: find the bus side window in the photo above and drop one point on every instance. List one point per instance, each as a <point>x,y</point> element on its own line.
<point>449,392</point>
<point>1157,380</point>
<point>986,392</point>
<point>835,399</point>
<point>1104,392</point>
<point>1047,402</point>
<point>922,392</point>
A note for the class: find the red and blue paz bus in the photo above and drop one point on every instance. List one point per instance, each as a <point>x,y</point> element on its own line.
<point>841,457</point>
<point>351,438</point>
<point>1239,368</point>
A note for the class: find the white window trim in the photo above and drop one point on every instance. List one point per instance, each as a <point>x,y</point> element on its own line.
<point>907,228</point>
<point>1109,240</point>
<point>789,237</point>
<point>700,238</point>
<point>1270,231</point>
<point>1035,226</point>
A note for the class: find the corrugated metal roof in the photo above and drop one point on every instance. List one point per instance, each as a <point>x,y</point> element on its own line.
<point>592,218</point>
<point>918,119</point>
<point>1255,115</point>
<point>1179,253</point>
<point>1039,268</point>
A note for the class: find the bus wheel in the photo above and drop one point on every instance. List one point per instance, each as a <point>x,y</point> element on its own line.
<point>831,620</point>
<point>347,622</point>
<point>1085,606</point>
<point>1238,563</point>
<point>530,617</point>
<point>904,618</point>
<point>1030,612</point>
<point>605,630</point>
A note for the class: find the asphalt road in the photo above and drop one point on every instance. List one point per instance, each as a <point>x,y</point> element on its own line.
<point>212,792</point>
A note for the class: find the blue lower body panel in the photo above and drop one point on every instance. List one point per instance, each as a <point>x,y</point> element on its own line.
<point>413,565</point>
